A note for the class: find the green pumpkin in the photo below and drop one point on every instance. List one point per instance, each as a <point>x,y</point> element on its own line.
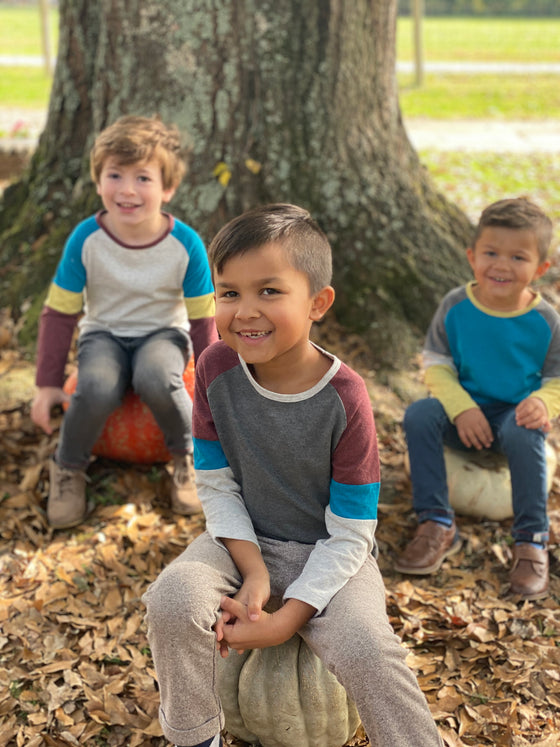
<point>284,696</point>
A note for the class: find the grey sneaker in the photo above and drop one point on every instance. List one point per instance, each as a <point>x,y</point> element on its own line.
<point>184,499</point>
<point>66,505</point>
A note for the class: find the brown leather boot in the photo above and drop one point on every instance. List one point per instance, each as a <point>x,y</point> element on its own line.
<point>529,572</point>
<point>184,498</point>
<point>66,505</point>
<point>432,543</point>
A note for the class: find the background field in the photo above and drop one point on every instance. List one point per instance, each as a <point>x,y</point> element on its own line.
<point>470,179</point>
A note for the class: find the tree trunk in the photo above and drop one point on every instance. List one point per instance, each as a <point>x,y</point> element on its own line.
<point>281,101</point>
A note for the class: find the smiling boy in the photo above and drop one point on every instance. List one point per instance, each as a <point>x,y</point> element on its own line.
<point>492,366</point>
<point>142,280</point>
<point>287,471</point>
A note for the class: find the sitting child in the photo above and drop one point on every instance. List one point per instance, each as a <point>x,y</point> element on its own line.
<point>288,474</point>
<point>149,304</point>
<point>492,366</point>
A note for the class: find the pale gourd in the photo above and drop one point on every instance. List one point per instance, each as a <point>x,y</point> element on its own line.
<point>284,696</point>
<point>479,483</point>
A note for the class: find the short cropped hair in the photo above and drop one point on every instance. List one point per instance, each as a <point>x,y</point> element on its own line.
<point>133,139</point>
<point>518,213</point>
<point>293,227</point>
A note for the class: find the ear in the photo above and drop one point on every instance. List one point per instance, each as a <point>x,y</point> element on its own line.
<point>321,303</point>
<point>167,194</point>
<point>470,256</point>
<point>542,268</point>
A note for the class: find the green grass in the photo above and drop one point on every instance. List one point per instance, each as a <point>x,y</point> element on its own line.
<point>482,96</point>
<point>24,87</point>
<point>473,180</point>
<point>483,39</point>
<point>20,30</point>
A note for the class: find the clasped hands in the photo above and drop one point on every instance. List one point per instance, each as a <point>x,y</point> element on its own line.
<point>243,624</point>
<point>474,429</point>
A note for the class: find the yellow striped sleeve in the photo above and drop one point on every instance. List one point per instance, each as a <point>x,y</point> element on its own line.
<point>67,302</point>
<point>550,395</point>
<point>200,307</point>
<point>444,385</point>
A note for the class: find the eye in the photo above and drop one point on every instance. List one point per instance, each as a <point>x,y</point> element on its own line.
<point>144,179</point>
<point>228,294</point>
<point>270,292</point>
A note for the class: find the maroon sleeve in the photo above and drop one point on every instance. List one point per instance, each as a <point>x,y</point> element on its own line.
<point>53,343</point>
<point>203,333</point>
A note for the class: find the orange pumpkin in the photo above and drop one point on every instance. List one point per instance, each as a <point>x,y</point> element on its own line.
<point>131,433</point>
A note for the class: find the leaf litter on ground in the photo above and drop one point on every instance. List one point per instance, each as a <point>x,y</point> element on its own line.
<point>75,665</point>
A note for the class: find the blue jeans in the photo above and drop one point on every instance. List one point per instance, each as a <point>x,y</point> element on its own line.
<point>427,429</point>
<point>107,367</point>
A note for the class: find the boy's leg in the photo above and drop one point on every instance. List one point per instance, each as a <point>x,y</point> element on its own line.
<point>102,379</point>
<point>182,606</point>
<point>103,376</point>
<point>158,365</point>
<point>526,454</point>
<point>354,639</point>
<point>427,428</point>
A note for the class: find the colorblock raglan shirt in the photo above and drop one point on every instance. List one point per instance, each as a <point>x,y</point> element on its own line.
<point>477,356</point>
<point>292,467</point>
<point>128,291</point>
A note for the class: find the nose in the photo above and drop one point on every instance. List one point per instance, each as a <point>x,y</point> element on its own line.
<point>246,309</point>
<point>127,186</point>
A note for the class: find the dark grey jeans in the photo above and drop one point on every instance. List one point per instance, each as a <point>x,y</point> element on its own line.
<point>107,366</point>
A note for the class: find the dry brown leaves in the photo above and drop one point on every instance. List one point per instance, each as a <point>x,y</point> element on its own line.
<point>75,668</point>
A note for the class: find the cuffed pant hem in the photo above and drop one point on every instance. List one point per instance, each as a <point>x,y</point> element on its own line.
<point>199,734</point>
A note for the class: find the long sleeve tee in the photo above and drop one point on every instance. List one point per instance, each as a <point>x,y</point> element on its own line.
<point>128,291</point>
<point>292,467</point>
<point>476,356</point>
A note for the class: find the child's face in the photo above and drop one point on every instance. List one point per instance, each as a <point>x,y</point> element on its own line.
<point>504,262</point>
<point>133,195</point>
<point>264,308</point>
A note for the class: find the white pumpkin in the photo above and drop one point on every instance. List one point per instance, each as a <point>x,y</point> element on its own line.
<point>284,696</point>
<point>479,483</point>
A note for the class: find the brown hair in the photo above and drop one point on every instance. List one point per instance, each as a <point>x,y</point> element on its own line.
<point>133,139</point>
<point>518,213</point>
<point>307,246</point>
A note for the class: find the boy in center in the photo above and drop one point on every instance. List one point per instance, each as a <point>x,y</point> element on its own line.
<point>288,474</point>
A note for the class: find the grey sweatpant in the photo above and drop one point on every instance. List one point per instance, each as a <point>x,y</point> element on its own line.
<point>352,636</point>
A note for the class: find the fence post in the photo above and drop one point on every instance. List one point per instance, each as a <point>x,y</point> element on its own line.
<point>418,12</point>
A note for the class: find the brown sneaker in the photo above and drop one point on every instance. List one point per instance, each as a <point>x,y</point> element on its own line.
<point>432,543</point>
<point>184,499</point>
<point>529,572</point>
<point>66,505</point>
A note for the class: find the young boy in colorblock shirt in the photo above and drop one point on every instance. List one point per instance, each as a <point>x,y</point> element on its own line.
<point>288,474</point>
<point>143,281</point>
<point>492,365</point>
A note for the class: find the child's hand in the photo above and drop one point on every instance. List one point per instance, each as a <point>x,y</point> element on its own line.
<point>253,595</point>
<point>43,402</point>
<point>532,413</point>
<point>241,633</point>
<point>473,429</point>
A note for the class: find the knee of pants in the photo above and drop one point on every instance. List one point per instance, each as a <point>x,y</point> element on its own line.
<point>513,437</point>
<point>101,392</point>
<point>181,597</point>
<point>423,414</point>
<point>153,387</point>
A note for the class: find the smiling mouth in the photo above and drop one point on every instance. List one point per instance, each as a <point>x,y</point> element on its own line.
<point>253,335</point>
<point>501,280</point>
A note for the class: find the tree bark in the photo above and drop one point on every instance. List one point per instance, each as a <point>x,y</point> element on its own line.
<point>280,101</point>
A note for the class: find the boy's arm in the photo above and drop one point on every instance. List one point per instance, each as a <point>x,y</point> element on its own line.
<point>351,516</point>
<point>443,384</point>
<point>198,292</point>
